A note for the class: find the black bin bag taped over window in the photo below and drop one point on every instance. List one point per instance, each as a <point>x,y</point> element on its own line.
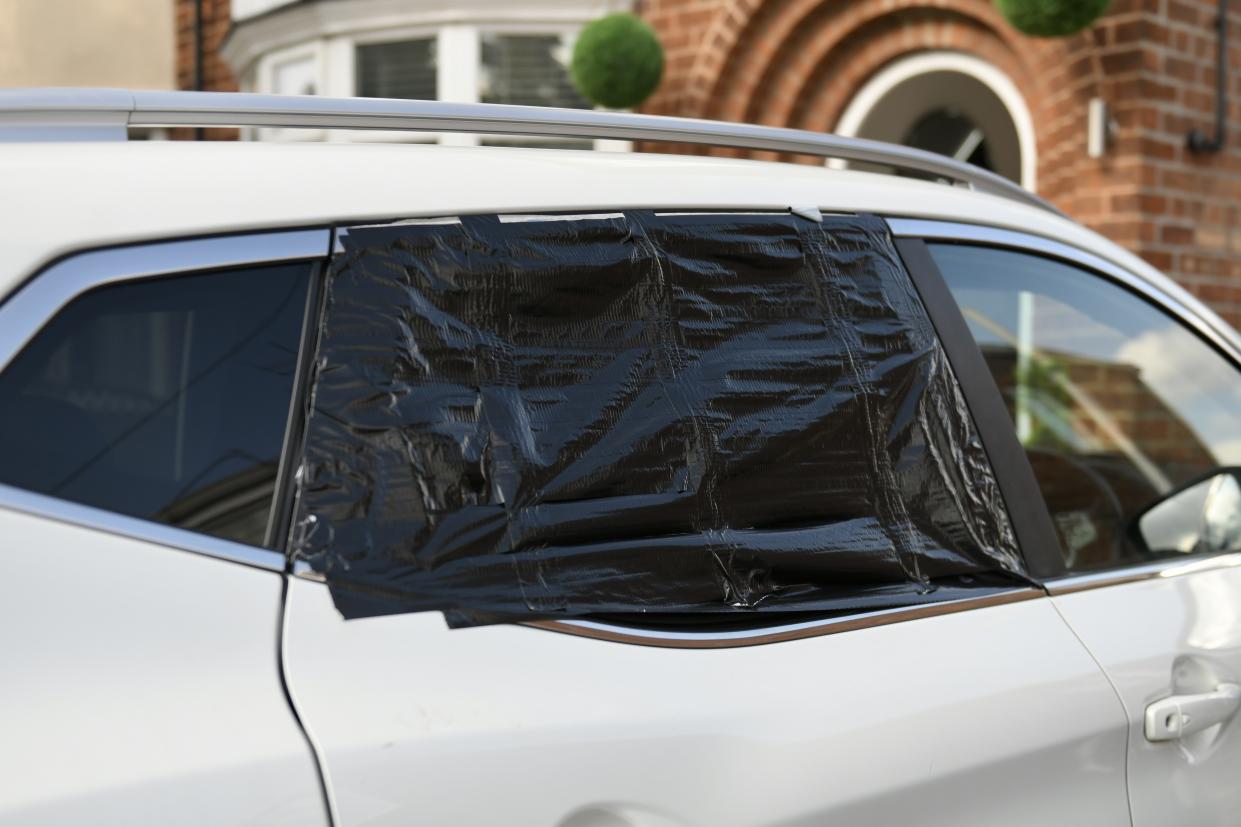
<point>636,413</point>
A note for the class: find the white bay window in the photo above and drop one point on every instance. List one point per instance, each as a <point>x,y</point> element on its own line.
<point>484,52</point>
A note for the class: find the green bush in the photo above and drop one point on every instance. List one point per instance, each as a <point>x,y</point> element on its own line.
<point>1052,18</point>
<point>617,61</point>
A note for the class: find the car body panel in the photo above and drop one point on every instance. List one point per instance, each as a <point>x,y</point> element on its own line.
<point>1169,635</point>
<point>977,717</point>
<point>141,686</point>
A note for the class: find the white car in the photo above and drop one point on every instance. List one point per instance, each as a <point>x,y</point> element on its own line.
<point>364,484</point>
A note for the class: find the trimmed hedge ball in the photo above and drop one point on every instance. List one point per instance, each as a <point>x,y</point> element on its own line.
<point>617,61</point>
<point>1052,18</point>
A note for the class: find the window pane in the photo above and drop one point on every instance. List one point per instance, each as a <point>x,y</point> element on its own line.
<point>1115,402</point>
<point>529,70</point>
<point>405,69</point>
<point>163,399</point>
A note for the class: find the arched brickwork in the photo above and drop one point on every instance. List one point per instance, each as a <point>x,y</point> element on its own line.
<point>780,45</point>
<point>799,62</point>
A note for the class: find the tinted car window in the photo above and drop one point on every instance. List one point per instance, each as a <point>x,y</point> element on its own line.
<point>164,399</point>
<point>1117,404</point>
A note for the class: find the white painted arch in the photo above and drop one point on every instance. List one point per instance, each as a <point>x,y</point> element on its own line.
<point>944,64</point>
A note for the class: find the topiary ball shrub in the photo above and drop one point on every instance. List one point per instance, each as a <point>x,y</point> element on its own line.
<point>1052,18</point>
<point>617,61</point>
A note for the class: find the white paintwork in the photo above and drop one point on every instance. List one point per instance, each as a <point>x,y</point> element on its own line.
<point>300,23</point>
<point>993,716</point>
<point>1170,636</point>
<point>140,685</point>
<point>923,63</point>
<point>61,198</point>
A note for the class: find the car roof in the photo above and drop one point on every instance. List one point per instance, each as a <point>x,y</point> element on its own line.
<point>69,196</point>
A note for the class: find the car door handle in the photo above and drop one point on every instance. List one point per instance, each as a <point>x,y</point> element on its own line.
<point>1181,715</point>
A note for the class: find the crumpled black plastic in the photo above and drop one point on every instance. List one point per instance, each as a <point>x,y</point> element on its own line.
<point>697,413</point>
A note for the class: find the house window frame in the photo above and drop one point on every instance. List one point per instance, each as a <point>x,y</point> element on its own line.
<point>458,74</point>
<point>265,73</point>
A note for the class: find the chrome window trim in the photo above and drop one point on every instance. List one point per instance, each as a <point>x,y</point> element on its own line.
<point>134,528</point>
<point>1213,330</point>
<point>29,308</point>
<point>1223,338</point>
<point>779,633</point>
<point>1163,569</point>
<point>774,633</point>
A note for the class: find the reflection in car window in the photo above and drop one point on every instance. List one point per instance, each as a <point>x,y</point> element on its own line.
<point>1116,403</point>
<point>163,399</point>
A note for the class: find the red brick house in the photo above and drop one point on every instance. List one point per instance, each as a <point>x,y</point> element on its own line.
<point>948,75</point>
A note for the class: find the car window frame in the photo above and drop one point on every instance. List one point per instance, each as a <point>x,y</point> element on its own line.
<point>915,233</point>
<point>709,638</point>
<point>38,298</point>
<point>31,305</point>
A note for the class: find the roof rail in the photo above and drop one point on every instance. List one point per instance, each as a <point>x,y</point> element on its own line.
<point>107,114</point>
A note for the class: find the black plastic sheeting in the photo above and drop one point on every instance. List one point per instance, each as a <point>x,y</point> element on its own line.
<point>633,413</point>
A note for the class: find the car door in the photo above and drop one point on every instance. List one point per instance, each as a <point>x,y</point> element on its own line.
<point>1129,408</point>
<point>144,394</point>
<point>525,436</point>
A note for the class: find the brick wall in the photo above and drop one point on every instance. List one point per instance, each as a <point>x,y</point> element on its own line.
<point>217,76</point>
<point>1189,207</point>
<point>799,62</point>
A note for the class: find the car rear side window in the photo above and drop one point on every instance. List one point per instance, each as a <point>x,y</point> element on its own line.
<point>637,413</point>
<point>162,399</point>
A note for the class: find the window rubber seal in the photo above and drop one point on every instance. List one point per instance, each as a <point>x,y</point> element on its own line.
<point>279,525</point>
